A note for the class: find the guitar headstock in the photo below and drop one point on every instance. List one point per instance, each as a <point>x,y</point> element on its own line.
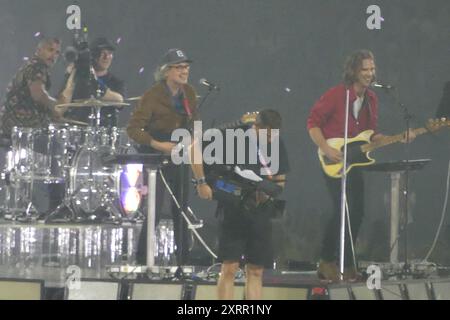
<point>436,124</point>
<point>249,117</point>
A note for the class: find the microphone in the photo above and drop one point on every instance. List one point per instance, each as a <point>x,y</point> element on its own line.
<point>208,84</point>
<point>381,86</point>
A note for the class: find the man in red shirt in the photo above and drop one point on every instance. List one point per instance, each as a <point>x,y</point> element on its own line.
<point>327,120</point>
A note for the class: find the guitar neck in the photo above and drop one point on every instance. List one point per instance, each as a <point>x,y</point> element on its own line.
<point>390,140</point>
<point>230,125</point>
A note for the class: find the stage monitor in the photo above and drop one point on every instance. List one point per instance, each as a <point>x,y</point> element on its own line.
<point>284,293</point>
<point>156,291</point>
<point>21,289</point>
<point>94,289</point>
<point>417,291</point>
<point>391,292</point>
<point>339,293</point>
<point>209,292</point>
<point>361,292</point>
<point>441,290</point>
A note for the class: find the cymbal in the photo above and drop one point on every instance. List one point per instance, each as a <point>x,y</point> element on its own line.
<point>140,97</point>
<point>134,98</point>
<point>92,103</point>
<point>71,121</point>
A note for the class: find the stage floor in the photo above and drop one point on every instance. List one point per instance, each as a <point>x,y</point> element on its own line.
<point>49,252</point>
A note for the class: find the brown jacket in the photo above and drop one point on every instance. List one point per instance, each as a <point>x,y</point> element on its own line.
<point>155,114</point>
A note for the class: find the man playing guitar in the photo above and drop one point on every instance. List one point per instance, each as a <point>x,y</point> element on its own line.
<point>327,120</point>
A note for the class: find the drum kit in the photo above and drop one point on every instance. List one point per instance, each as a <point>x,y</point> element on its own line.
<point>70,154</point>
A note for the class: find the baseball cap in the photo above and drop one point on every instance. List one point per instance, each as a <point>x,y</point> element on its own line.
<point>174,56</point>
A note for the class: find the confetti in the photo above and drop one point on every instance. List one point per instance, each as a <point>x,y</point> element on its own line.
<point>37,34</point>
<point>26,58</point>
<point>119,39</point>
<point>141,70</point>
<point>287,89</point>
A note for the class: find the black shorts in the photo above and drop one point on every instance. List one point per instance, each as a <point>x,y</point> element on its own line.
<point>246,236</point>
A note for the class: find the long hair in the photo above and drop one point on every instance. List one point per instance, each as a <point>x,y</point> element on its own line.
<point>353,64</point>
<point>160,72</point>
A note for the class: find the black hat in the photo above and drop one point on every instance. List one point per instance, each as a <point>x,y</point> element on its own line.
<point>174,56</point>
<point>101,43</point>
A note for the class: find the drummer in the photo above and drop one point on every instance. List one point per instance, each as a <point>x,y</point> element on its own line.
<point>103,85</point>
<point>28,103</point>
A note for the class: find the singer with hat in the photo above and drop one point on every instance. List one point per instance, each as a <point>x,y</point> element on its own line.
<point>171,103</point>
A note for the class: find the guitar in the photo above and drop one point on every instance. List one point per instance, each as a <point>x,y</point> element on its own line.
<point>248,118</point>
<point>359,148</point>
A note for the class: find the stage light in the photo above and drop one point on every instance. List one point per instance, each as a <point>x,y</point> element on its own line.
<point>131,200</point>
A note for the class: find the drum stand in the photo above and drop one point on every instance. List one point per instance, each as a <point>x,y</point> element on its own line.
<point>15,182</point>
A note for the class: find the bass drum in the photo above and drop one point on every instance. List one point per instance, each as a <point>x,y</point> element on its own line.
<point>90,181</point>
<point>95,185</point>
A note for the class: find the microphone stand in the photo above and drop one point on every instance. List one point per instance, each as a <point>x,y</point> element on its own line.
<point>204,98</point>
<point>406,270</point>
<point>343,190</point>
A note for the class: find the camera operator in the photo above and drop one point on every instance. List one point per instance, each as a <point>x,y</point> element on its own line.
<point>93,79</point>
<point>245,227</point>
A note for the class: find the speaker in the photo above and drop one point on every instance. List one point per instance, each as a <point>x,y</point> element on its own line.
<point>94,289</point>
<point>284,293</point>
<point>21,289</point>
<point>417,291</point>
<point>441,290</point>
<point>209,292</point>
<point>156,291</point>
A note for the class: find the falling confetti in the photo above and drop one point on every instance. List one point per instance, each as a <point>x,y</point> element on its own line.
<point>287,89</point>
<point>37,34</point>
<point>141,70</point>
<point>381,18</point>
<point>26,58</point>
<point>118,40</point>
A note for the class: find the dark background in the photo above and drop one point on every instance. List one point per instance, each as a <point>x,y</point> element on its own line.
<point>255,49</point>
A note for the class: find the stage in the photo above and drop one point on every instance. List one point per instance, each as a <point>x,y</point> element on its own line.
<point>97,261</point>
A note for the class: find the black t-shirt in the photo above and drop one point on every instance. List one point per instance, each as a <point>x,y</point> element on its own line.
<point>83,90</point>
<point>253,158</point>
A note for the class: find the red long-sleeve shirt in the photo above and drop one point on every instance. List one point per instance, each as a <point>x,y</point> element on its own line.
<point>328,113</point>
